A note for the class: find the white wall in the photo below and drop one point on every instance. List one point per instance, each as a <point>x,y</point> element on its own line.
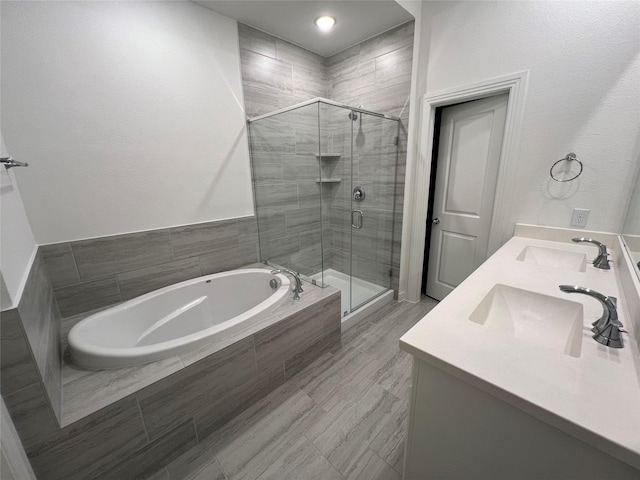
<point>17,246</point>
<point>583,95</point>
<point>130,114</point>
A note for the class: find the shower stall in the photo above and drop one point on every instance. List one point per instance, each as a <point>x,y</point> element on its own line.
<point>324,180</point>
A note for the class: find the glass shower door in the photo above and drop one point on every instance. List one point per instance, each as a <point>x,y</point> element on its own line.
<point>287,190</point>
<point>372,197</point>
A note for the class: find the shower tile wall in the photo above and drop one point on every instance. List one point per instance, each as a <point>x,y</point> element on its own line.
<point>89,274</point>
<point>371,163</point>
<point>375,74</point>
<point>277,74</point>
<point>287,192</point>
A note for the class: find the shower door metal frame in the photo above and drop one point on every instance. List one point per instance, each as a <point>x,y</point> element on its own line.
<point>321,100</point>
<point>353,307</point>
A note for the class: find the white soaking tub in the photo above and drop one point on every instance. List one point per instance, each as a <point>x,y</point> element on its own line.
<point>174,319</point>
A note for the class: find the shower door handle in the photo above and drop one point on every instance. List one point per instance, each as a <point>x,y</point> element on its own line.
<point>357,218</point>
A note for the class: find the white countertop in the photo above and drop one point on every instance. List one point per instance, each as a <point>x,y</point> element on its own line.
<point>594,397</point>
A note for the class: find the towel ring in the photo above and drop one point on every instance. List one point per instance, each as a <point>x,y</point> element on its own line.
<point>569,158</point>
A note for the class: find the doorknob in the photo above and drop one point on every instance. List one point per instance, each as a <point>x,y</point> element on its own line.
<point>436,221</point>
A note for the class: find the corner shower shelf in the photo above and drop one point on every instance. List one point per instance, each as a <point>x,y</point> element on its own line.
<point>328,180</point>
<point>328,156</point>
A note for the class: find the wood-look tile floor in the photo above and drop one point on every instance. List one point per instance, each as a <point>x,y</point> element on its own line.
<point>342,417</point>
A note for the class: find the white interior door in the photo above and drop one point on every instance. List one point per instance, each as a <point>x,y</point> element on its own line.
<point>468,157</point>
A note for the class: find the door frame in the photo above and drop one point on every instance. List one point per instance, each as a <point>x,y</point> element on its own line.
<point>419,173</point>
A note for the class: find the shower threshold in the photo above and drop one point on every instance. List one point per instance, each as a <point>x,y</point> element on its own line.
<point>367,296</point>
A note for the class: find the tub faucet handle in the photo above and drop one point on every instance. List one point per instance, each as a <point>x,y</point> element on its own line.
<point>298,288</point>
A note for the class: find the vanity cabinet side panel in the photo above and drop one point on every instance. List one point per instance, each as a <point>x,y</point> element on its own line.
<point>411,435</point>
<point>459,431</point>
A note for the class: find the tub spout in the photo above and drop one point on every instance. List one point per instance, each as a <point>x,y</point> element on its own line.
<point>298,288</point>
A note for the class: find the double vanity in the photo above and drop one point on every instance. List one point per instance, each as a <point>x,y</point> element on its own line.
<point>508,380</point>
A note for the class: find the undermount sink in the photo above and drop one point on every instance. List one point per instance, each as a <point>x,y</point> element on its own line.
<point>540,320</point>
<point>550,257</point>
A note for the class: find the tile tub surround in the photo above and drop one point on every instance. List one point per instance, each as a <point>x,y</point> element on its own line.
<point>375,74</point>
<point>80,387</point>
<point>90,274</point>
<point>130,422</point>
<point>30,355</point>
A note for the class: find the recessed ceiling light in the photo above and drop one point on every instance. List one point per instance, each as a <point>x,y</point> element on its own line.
<point>325,23</point>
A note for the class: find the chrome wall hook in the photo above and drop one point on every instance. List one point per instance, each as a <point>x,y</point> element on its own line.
<point>10,162</point>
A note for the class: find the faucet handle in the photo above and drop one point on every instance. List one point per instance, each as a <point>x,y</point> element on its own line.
<point>610,335</point>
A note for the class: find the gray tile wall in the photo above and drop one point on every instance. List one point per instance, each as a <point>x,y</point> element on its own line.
<point>375,74</point>
<point>30,355</point>
<point>89,274</point>
<point>141,433</point>
<point>276,73</point>
<point>286,189</point>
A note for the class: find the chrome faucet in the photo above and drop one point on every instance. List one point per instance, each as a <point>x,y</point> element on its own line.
<point>602,260</point>
<point>298,290</point>
<point>607,328</point>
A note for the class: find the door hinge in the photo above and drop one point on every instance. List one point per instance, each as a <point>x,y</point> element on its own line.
<point>390,272</point>
<point>396,140</point>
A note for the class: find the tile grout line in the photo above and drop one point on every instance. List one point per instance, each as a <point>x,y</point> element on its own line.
<point>144,425</point>
<point>173,253</point>
<point>118,287</point>
<point>322,454</point>
<point>383,460</point>
<point>402,440</point>
<point>75,262</point>
<point>215,456</point>
<point>195,430</point>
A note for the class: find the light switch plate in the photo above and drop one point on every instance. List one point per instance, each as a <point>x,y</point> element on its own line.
<point>580,217</point>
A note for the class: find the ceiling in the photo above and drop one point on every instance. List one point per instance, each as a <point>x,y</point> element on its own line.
<point>294,21</point>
